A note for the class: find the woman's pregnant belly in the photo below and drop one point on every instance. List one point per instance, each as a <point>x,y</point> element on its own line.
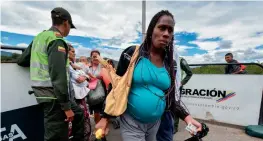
<point>146,105</point>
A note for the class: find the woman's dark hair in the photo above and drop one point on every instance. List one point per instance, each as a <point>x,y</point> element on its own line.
<point>70,46</point>
<point>94,51</point>
<point>144,49</point>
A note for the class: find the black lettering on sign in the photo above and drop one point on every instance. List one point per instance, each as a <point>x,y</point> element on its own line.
<point>207,93</point>
<point>202,92</point>
<point>213,93</point>
<point>221,94</point>
<point>183,92</point>
<point>188,91</point>
<point>195,92</point>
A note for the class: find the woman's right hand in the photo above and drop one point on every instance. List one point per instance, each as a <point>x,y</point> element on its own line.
<point>90,75</point>
<point>81,79</point>
<point>103,124</point>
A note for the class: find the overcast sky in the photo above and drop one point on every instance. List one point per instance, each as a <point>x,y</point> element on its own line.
<point>204,31</point>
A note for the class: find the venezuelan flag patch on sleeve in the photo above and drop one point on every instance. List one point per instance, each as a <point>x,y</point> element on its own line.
<point>61,49</point>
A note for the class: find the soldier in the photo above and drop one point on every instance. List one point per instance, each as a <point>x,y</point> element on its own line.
<point>49,73</point>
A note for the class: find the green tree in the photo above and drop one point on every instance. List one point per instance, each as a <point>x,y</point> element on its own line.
<point>6,58</point>
<point>12,58</point>
<point>15,56</point>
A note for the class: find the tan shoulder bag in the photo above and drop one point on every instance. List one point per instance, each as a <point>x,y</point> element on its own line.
<point>116,101</point>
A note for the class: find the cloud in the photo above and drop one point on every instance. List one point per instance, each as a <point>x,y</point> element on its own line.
<point>22,45</point>
<point>5,38</point>
<point>206,45</point>
<point>8,50</point>
<point>182,50</point>
<point>225,44</point>
<point>105,52</point>
<point>12,51</point>
<point>250,54</point>
<point>217,56</point>
<point>117,23</point>
<point>227,19</point>
<point>1,43</point>
<point>82,51</point>
<point>105,21</point>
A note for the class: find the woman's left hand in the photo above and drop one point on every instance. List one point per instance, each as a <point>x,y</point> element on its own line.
<point>99,77</point>
<point>190,120</point>
<point>91,76</point>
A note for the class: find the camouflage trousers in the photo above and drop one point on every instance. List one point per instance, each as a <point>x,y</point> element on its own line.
<point>56,129</point>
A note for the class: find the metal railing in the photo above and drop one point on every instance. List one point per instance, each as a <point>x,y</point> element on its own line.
<point>7,47</point>
<point>219,64</point>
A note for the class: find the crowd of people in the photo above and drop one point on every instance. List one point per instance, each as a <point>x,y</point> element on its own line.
<point>88,78</point>
<point>71,89</point>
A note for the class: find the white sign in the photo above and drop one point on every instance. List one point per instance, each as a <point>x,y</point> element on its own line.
<point>232,99</point>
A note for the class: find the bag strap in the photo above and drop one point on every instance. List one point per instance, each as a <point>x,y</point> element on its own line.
<point>132,61</point>
<point>134,56</point>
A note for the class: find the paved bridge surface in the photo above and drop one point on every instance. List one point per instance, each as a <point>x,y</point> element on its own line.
<point>217,133</point>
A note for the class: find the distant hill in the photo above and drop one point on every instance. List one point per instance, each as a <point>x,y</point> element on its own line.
<point>9,57</point>
<point>4,53</point>
<point>251,69</point>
